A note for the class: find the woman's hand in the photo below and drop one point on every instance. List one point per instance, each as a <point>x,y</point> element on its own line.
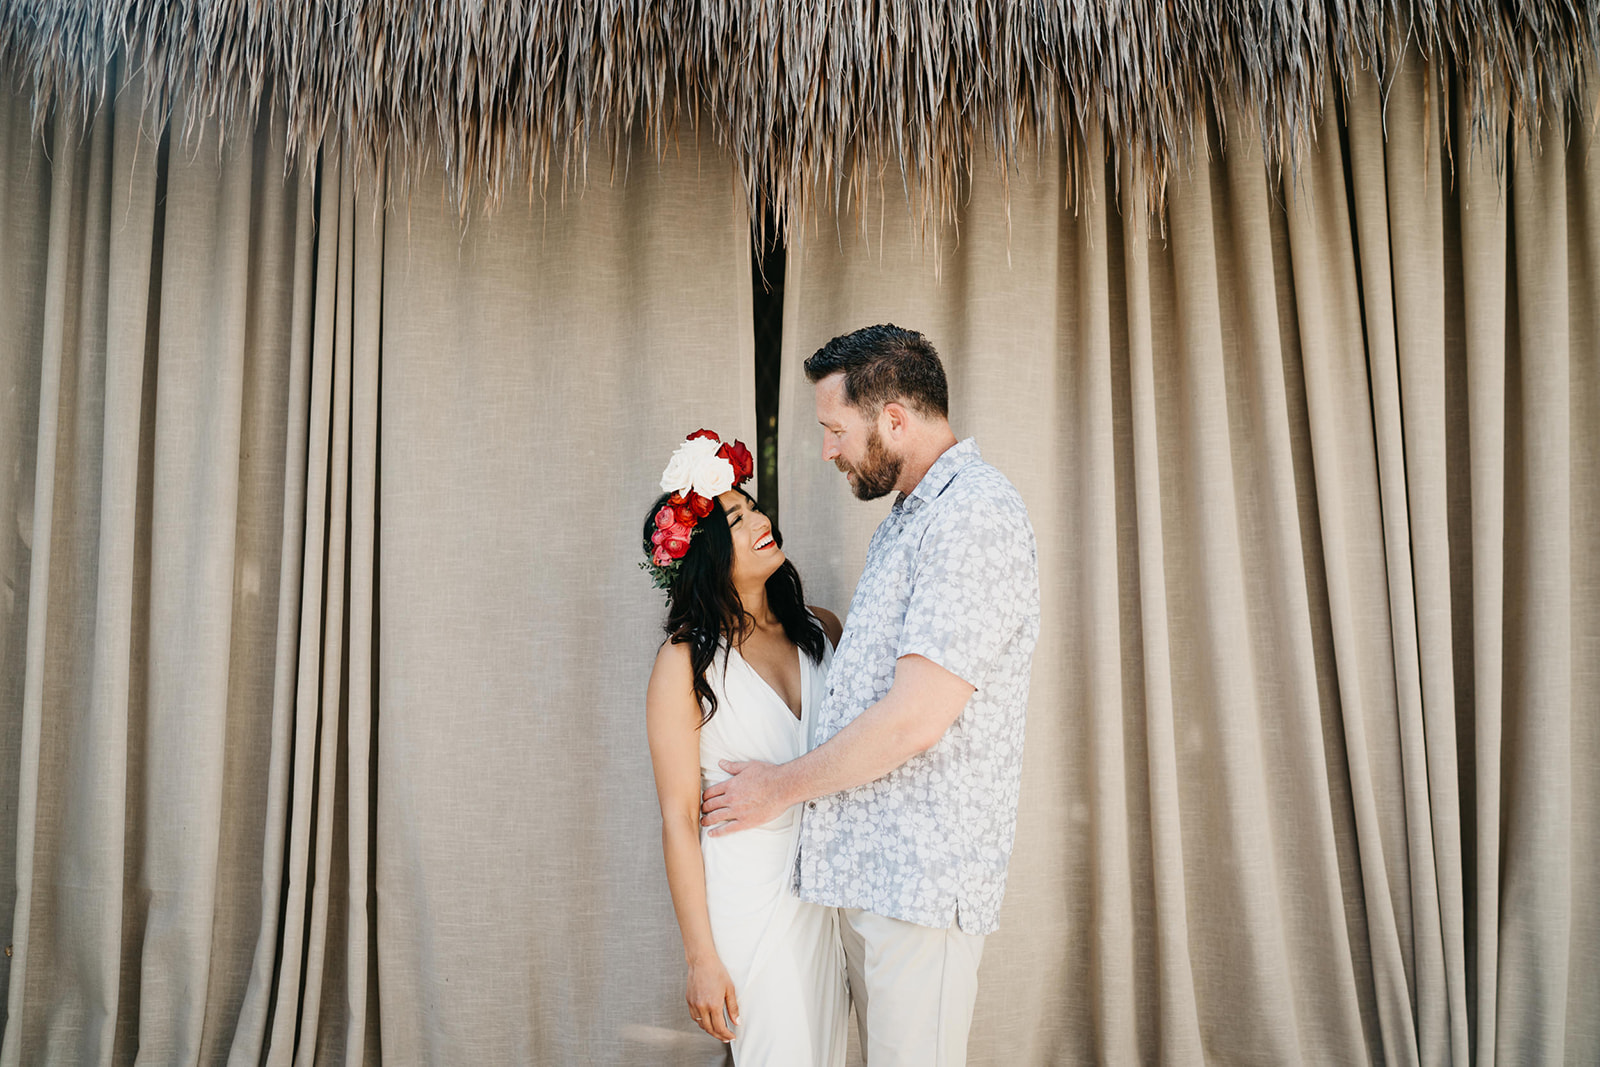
<point>710,991</point>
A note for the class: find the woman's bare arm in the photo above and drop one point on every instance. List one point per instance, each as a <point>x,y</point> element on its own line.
<point>672,717</point>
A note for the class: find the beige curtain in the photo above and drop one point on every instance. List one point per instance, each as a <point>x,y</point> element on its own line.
<point>151,445</point>
<point>1313,462</point>
<point>324,641</point>
<point>536,374</point>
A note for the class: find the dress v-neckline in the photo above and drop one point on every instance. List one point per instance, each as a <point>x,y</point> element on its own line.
<point>798,716</point>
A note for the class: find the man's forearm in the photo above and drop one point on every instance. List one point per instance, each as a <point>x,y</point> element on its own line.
<point>875,743</point>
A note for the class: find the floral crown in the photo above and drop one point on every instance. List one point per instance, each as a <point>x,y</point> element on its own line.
<point>702,469</point>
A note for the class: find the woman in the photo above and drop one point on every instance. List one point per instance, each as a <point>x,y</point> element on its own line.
<point>738,678</point>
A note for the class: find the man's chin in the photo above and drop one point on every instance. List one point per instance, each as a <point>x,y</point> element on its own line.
<point>863,489</point>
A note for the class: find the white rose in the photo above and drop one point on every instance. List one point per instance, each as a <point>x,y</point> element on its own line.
<point>679,476</point>
<point>712,476</point>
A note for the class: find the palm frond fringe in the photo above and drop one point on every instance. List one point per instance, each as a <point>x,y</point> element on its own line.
<point>818,101</point>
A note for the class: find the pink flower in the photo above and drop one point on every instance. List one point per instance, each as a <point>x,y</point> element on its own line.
<point>676,541</point>
<point>666,517</point>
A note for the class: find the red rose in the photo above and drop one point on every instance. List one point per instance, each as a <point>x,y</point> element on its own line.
<point>676,498</point>
<point>702,433</point>
<point>665,517</point>
<point>700,505</point>
<point>740,459</point>
<point>677,541</point>
<point>682,515</point>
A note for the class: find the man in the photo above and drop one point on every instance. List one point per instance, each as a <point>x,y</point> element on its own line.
<point>912,789</point>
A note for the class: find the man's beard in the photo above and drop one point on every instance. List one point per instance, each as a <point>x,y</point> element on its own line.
<point>877,473</point>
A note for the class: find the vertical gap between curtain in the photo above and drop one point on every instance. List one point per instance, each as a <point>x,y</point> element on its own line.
<point>767,268</point>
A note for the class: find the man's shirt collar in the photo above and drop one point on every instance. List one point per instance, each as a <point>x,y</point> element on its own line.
<point>947,466</point>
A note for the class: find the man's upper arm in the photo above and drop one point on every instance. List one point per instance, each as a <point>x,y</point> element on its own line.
<point>969,589</point>
<point>936,695</point>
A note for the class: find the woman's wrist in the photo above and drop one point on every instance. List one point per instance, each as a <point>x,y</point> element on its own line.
<point>700,955</point>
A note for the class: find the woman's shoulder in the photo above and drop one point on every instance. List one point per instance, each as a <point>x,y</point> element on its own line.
<point>676,658</point>
<point>669,695</point>
<point>674,663</point>
<point>830,623</point>
<point>672,652</point>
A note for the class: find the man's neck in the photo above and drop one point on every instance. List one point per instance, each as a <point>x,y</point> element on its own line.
<point>922,456</point>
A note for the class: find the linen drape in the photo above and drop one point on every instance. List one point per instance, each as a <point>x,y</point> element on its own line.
<point>324,646</point>
<point>536,374</point>
<point>152,350</point>
<point>324,642</point>
<point>1314,738</point>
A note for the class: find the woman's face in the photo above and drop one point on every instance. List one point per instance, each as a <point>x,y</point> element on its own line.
<point>755,554</point>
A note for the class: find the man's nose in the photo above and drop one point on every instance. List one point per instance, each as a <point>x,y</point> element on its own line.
<point>829,449</point>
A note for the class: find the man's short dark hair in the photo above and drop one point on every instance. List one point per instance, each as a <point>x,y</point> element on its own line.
<point>884,363</point>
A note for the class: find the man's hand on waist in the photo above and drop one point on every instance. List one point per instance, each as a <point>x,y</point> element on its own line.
<point>753,796</point>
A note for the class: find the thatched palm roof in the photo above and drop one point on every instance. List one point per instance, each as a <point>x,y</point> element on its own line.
<point>808,95</point>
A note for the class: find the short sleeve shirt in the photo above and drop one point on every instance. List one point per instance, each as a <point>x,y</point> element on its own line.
<point>951,574</point>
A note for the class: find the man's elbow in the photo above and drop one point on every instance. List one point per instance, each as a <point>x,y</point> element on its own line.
<point>922,734</point>
<point>929,699</point>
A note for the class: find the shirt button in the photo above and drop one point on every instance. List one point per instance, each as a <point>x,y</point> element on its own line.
<point>811,804</point>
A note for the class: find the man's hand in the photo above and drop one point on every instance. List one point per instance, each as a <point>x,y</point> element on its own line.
<point>750,798</point>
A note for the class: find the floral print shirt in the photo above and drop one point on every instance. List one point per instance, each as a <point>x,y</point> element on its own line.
<point>951,574</point>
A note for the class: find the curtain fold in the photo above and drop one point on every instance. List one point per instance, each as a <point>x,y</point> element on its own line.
<point>152,572</point>
<point>24,231</point>
<point>1311,759</point>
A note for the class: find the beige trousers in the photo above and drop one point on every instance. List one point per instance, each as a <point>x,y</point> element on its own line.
<point>913,987</point>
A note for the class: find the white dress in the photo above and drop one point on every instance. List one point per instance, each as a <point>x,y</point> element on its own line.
<point>782,953</point>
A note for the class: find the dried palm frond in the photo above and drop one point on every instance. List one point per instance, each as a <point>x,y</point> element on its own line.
<point>817,101</point>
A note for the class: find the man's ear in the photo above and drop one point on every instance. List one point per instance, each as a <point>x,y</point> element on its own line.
<point>895,419</point>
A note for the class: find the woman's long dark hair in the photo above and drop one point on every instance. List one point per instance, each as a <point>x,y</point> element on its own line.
<point>704,609</point>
